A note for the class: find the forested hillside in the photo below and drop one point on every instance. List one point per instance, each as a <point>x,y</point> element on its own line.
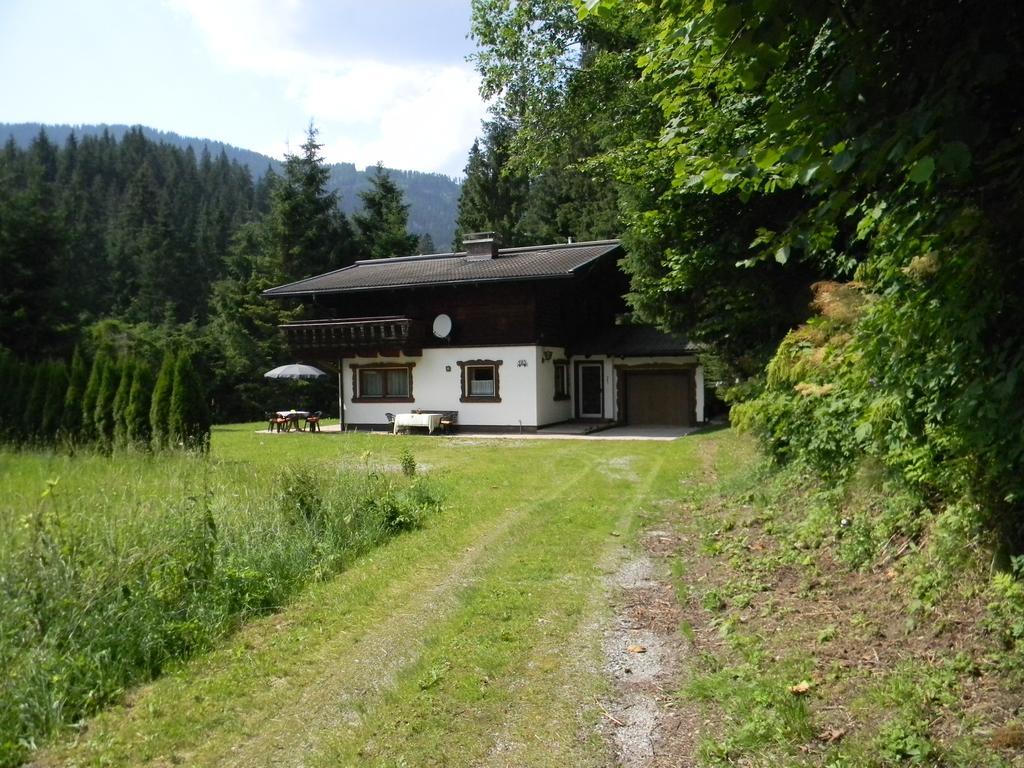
<point>842,180</point>
<point>432,197</point>
<point>828,196</point>
<point>128,248</point>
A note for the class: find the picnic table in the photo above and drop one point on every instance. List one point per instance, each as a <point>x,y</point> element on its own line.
<point>293,418</point>
<point>429,420</point>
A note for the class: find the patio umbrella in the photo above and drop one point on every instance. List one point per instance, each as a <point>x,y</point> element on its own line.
<point>295,371</point>
<point>302,371</point>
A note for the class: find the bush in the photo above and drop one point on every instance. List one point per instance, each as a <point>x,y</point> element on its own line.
<point>78,378</point>
<point>103,411</point>
<point>189,418</point>
<point>120,404</point>
<point>53,409</point>
<point>136,414</point>
<point>160,403</point>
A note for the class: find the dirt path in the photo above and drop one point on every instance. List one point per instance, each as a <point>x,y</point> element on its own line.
<point>362,667</point>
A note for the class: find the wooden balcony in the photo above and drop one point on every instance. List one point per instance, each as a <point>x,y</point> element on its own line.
<point>348,337</point>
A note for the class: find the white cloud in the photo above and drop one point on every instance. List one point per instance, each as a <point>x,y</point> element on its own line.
<point>412,116</point>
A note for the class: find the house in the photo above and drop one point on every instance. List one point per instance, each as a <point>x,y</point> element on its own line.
<point>511,338</point>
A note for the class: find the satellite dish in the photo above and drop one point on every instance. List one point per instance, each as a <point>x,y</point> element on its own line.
<point>442,326</point>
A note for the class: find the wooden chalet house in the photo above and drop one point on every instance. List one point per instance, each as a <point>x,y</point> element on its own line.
<point>512,339</point>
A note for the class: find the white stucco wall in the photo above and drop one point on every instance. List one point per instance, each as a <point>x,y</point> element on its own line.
<point>526,386</point>
<point>436,386</point>
<point>549,410</point>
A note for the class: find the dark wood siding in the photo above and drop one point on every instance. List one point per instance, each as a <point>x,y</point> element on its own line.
<point>554,312</point>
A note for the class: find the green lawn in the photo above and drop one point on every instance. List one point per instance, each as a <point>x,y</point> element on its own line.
<point>469,641</point>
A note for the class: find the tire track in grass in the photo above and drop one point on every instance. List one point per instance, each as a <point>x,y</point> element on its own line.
<point>367,664</point>
<point>492,689</point>
<point>551,727</point>
<point>283,676</point>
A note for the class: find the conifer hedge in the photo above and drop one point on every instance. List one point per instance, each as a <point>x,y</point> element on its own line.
<point>108,404</point>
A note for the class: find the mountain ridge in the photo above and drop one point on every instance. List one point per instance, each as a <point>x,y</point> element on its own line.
<point>432,197</point>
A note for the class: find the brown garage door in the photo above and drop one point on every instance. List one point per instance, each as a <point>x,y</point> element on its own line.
<point>659,397</point>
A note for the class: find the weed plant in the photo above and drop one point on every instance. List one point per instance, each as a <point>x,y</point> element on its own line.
<point>111,569</point>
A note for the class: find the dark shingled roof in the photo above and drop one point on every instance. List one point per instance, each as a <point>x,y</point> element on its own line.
<point>633,341</point>
<point>535,262</point>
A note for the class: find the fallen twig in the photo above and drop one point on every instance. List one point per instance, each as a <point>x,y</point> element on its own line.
<point>610,716</point>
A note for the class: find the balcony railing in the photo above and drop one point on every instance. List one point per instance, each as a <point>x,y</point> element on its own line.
<point>356,335</point>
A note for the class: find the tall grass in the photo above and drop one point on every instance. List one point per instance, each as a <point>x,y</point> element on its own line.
<point>111,568</point>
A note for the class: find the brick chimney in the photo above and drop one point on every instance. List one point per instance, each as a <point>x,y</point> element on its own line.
<point>480,246</point>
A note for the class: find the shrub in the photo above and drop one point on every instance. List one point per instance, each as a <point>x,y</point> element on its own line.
<point>160,403</point>
<point>103,411</point>
<point>189,418</point>
<point>53,409</point>
<point>32,415</point>
<point>120,403</point>
<point>408,462</point>
<point>78,378</point>
<point>92,389</point>
<point>136,414</point>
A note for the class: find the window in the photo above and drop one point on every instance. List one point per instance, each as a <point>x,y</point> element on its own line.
<point>561,380</point>
<point>480,381</point>
<point>381,382</point>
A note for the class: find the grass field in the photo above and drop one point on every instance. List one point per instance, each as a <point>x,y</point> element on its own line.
<point>474,636</point>
<point>463,642</point>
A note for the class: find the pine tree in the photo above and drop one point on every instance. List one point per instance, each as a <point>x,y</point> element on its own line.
<point>136,414</point>
<point>103,412</point>
<point>78,377</point>
<point>160,404</point>
<point>53,409</point>
<point>383,220</point>
<point>189,417</point>
<point>120,403</point>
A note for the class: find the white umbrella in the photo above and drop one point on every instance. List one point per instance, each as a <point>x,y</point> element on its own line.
<point>295,371</point>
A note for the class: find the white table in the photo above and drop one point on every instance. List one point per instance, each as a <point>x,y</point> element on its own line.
<point>293,418</point>
<point>429,420</point>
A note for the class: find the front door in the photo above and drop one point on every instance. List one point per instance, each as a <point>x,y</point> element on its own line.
<point>590,390</point>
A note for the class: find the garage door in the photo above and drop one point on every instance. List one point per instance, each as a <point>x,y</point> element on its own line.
<point>659,397</point>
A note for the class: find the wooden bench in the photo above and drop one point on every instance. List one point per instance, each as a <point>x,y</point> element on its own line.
<point>449,420</point>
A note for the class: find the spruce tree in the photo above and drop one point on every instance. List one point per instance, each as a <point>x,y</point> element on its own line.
<point>190,417</point>
<point>87,433</point>
<point>124,386</point>
<point>78,377</point>
<point>136,414</point>
<point>103,413</point>
<point>493,195</point>
<point>383,220</point>
<point>160,405</point>
<point>53,409</point>
<point>308,233</point>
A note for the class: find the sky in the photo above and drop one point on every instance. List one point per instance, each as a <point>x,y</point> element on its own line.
<point>382,80</point>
